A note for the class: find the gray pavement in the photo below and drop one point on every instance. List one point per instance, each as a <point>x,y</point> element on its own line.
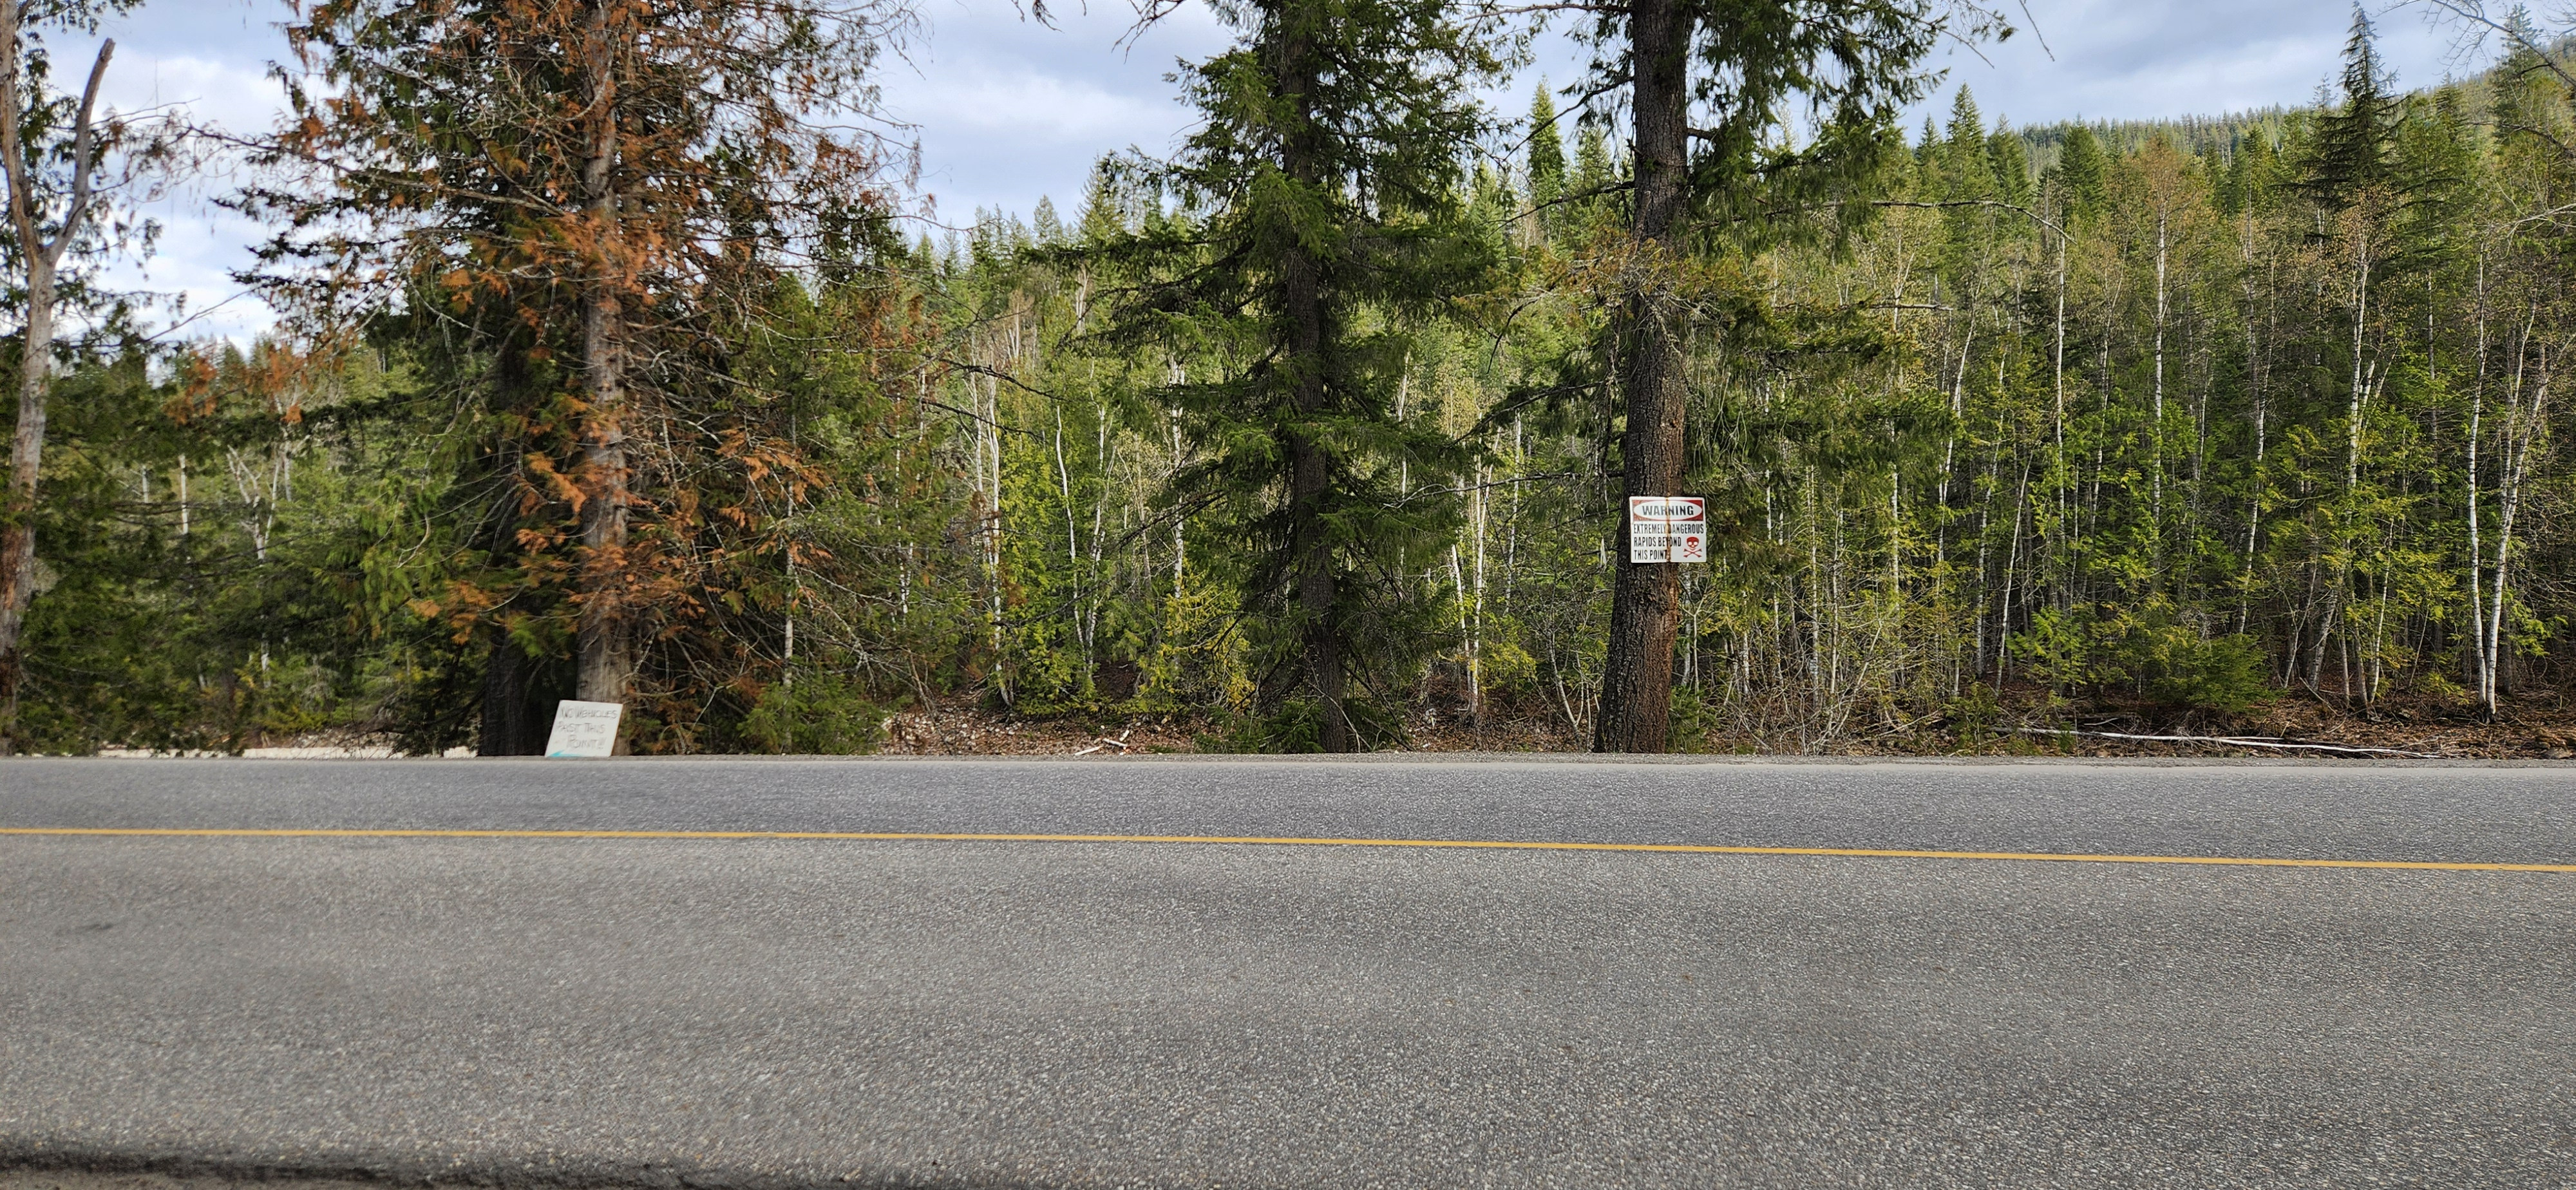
<point>776,1013</point>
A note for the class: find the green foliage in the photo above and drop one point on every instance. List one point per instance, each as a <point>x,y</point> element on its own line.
<point>2226,673</point>
<point>1693,720</point>
<point>1299,725</point>
<point>2057,649</point>
<point>1972,716</point>
<point>2352,150</point>
<point>1546,153</point>
<point>1197,663</point>
<point>1328,226</point>
<point>2173,665</point>
<point>819,714</point>
<point>2079,171</point>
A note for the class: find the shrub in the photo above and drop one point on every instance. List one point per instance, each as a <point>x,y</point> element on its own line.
<point>2225,673</point>
<point>822,714</point>
<point>1692,720</point>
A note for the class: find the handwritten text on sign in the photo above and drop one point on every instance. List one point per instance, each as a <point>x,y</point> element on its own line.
<point>1667,529</point>
<point>584,729</point>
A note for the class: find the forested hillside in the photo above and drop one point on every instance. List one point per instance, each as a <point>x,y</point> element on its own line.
<point>617,368</point>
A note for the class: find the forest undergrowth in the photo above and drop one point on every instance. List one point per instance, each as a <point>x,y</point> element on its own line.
<point>2024,722</point>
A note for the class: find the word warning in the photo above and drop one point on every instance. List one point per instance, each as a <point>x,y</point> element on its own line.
<point>1667,529</point>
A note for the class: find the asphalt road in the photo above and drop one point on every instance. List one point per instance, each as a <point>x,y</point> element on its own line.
<point>764,1012</point>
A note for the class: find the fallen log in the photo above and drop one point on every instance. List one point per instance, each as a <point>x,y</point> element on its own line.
<point>2236,742</point>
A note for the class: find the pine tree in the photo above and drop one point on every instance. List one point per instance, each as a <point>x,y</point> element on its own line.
<point>2235,181</point>
<point>2010,161</point>
<point>1595,173</point>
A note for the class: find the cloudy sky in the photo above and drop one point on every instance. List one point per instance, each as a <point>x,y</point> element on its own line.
<point>1007,111</point>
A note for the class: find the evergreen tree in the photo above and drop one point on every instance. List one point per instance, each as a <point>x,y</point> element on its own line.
<point>1594,170</point>
<point>2352,151</point>
<point>1331,221</point>
<point>1964,164</point>
<point>2010,161</point>
<point>2079,171</point>
<point>1546,153</point>
<point>574,207</point>
<point>2235,180</point>
<point>1845,69</point>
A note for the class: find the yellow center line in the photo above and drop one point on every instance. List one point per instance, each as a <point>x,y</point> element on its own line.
<point>1279,841</point>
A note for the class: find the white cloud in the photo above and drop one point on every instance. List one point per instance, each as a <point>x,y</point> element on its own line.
<point>235,95</point>
<point>1007,111</point>
<point>209,60</point>
<point>2127,59</point>
<point>1010,111</point>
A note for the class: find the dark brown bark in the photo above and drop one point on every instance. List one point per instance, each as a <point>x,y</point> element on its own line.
<point>605,645</point>
<point>1302,302</point>
<point>513,724</point>
<point>1645,608</point>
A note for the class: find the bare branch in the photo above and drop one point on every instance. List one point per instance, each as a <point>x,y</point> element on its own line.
<point>84,158</point>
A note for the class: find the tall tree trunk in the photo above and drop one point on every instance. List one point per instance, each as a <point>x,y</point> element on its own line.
<point>2519,430</point>
<point>512,726</point>
<point>1645,608</point>
<point>2057,380</point>
<point>606,641</point>
<point>2347,523</point>
<point>2254,343</point>
<point>1310,466</point>
<point>2156,408</point>
<point>2478,666</point>
<point>42,257</point>
<point>18,524</point>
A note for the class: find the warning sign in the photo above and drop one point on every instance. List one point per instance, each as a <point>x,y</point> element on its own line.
<point>585,728</point>
<point>1667,529</point>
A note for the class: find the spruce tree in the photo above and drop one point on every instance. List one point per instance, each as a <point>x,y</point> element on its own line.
<point>2352,150</point>
<point>1594,172</point>
<point>1546,155</point>
<point>2010,161</point>
<point>2079,171</point>
<point>1326,184</point>
<point>1963,151</point>
<point>2234,190</point>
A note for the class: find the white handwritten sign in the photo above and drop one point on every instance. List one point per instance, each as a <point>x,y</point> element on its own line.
<point>584,728</point>
<point>1667,529</point>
